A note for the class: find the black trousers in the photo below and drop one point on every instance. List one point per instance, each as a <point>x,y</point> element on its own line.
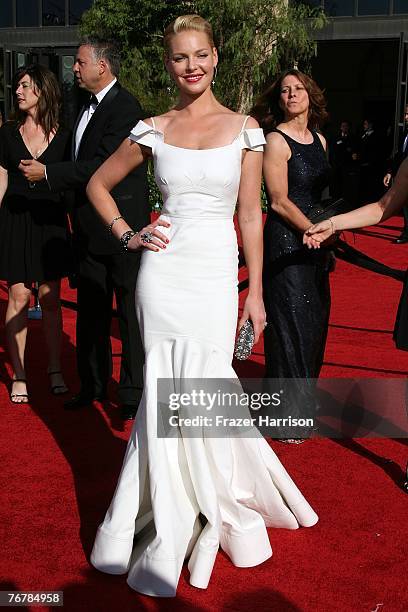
<point>100,276</point>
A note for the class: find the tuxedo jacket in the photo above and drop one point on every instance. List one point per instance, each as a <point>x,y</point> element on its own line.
<point>110,124</point>
<point>341,149</point>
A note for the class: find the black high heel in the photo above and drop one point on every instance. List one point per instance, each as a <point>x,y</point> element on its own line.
<point>58,389</point>
<point>14,396</point>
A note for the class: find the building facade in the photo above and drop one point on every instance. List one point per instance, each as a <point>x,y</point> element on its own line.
<point>362,62</point>
<point>43,31</point>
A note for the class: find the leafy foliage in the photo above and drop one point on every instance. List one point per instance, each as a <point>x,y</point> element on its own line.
<point>256,39</point>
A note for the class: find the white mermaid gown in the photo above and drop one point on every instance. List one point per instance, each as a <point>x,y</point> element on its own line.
<point>187,306</point>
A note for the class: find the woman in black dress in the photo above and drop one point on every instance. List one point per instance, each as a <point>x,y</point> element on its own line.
<point>33,226</point>
<point>295,280</point>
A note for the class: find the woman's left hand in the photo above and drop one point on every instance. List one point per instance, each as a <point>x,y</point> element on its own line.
<point>255,311</point>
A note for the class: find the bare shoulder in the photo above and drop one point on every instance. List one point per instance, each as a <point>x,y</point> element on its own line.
<point>276,144</point>
<point>252,123</point>
<point>236,120</point>
<point>240,119</point>
<point>161,121</point>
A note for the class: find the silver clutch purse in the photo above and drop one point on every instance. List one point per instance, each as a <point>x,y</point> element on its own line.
<point>245,341</point>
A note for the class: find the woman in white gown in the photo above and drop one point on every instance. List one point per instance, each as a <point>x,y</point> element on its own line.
<point>184,497</point>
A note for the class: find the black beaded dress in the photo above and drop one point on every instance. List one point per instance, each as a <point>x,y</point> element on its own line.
<point>34,242</point>
<point>296,284</point>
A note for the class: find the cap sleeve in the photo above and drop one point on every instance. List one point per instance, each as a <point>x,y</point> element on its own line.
<point>144,134</point>
<point>253,139</point>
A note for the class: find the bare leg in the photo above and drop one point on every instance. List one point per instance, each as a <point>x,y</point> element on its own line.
<point>49,296</point>
<point>16,336</point>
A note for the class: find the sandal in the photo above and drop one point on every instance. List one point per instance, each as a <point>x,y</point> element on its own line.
<point>15,397</point>
<point>58,389</point>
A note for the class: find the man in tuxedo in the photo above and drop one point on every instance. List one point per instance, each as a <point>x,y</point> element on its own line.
<point>395,163</point>
<point>341,149</point>
<point>103,123</point>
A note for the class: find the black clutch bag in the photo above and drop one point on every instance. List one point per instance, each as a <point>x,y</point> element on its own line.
<point>329,208</point>
<point>245,341</point>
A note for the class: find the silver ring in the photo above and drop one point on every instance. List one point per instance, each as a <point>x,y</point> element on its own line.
<point>146,237</point>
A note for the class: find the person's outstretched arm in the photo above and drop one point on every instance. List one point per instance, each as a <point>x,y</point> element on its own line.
<point>125,159</point>
<point>370,214</point>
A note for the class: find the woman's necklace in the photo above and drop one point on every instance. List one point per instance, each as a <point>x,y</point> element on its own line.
<point>27,141</point>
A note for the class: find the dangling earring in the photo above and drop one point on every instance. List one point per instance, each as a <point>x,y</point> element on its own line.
<point>170,85</point>
<point>214,76</point>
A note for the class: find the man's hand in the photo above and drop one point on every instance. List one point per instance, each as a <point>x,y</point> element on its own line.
<point>33,170</point>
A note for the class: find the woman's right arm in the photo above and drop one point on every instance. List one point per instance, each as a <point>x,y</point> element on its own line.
<point>275,171</point>
<point>3,182</point>
<point>125,159</point>
<point>370,214</point>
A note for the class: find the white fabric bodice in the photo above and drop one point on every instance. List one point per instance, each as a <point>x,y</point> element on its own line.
<point>198,182</point>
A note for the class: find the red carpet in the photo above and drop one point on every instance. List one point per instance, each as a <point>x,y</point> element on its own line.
<point>59,471</point>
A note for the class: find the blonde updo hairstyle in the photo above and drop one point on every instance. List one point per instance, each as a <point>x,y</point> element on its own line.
<point>184,23</point>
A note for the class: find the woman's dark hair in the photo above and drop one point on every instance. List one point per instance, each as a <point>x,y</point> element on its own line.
<point>267,109</point>
<point>46,86</point>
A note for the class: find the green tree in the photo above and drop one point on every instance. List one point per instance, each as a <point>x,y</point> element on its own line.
<point>255,38</point>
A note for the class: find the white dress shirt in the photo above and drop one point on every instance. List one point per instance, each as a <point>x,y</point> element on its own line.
<point>87,114</point>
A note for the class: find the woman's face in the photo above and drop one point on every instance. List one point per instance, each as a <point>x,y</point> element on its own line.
<point>191,61</point>
<point>294,99</point>
<point>26,94</point>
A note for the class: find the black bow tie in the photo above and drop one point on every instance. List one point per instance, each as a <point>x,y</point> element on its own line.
<point>93,100</point>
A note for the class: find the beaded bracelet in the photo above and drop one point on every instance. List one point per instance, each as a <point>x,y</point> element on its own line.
<point>112,223</point>
<point>124,239</point>
<point>332,225</point>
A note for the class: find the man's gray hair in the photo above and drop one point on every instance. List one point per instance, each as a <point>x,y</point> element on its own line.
<point>107,50</point>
